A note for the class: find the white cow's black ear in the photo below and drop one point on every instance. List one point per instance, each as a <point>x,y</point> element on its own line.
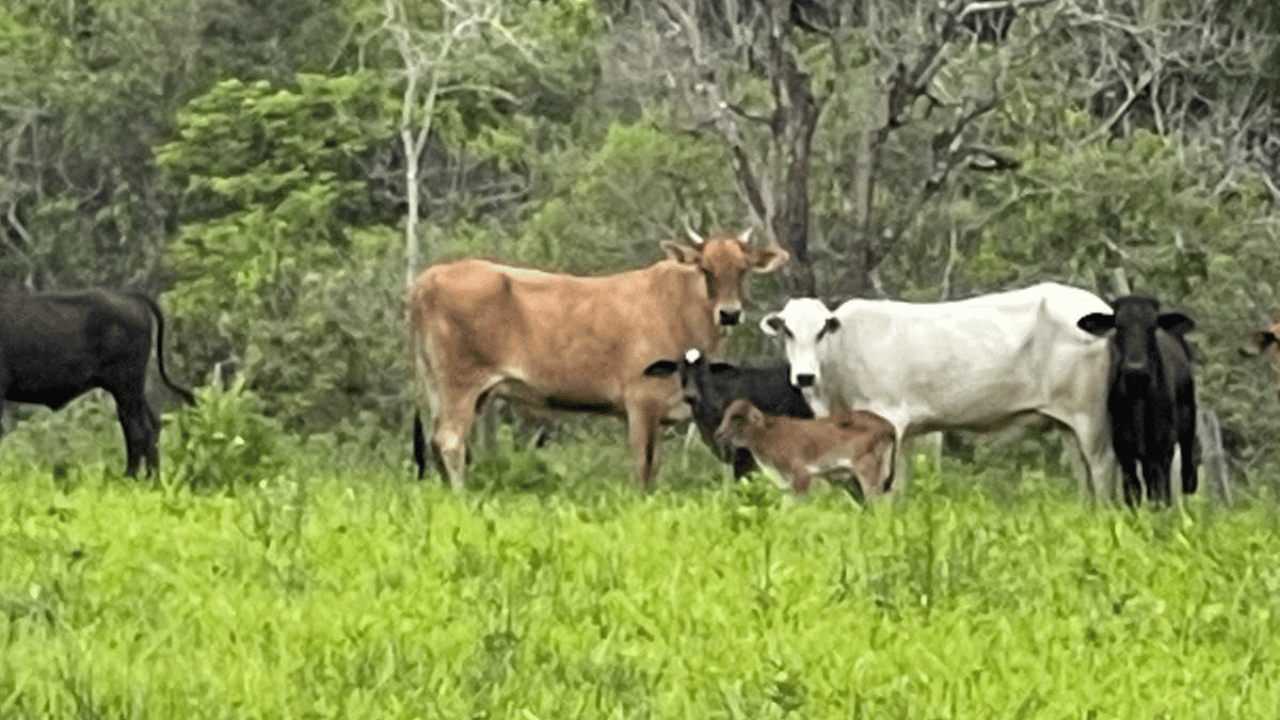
<point>1176,323</point>
<point>832,325</point>
<point>1097,323</point>
<point>773,324</point>
<point>662,368</point>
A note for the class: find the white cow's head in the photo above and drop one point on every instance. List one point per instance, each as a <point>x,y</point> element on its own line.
<point>803,323</point>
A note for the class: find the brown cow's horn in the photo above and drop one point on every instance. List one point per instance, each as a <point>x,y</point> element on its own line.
<point>694,237</point>
<point>745,235</point>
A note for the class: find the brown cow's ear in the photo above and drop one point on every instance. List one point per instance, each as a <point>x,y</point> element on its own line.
<point>681,253</point>
<point>755,416</point>
<point>1255,342</point>
<point>767,259</point>
<point>1097,323</point>
<point>1176,323</point>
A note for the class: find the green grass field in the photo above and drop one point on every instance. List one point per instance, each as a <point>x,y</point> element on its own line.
<point>556,590</point>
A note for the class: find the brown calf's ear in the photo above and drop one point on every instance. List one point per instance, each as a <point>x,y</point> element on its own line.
<point>1176,323</point>
<point>1097,323</point>
<point>681,253</point>
<point>755,416</point>
<point>1255,342</point>
<point>768,258</point>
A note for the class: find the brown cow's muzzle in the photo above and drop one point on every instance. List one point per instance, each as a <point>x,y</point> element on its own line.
<point>730,316</point>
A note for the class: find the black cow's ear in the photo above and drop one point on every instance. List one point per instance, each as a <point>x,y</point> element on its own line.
<point>662,368</point>
<point>719,367</point>
<point>1176,323</point>
<point>1097,323</point>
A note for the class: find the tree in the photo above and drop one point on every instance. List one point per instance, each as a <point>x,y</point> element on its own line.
<point>759,74</point>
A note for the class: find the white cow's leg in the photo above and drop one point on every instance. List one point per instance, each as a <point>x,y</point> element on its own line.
<point>1099,459</point>
<point>897,486</point>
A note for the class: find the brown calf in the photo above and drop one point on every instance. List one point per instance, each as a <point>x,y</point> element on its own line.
<point>859,443</point>
<point>554,342</point>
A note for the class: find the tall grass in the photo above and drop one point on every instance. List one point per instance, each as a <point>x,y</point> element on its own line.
<point>554,589</point>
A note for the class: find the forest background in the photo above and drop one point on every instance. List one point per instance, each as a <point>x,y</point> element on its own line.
<point>275,170</point>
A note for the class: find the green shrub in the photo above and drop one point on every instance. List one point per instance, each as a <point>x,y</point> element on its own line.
<point>225,439</point>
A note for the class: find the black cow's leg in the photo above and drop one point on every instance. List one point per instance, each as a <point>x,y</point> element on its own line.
<point>132,411</point>
<point>1132,486</point>
<point>1156,472</point>
<point>153,440</point>
<point>1187,444</point>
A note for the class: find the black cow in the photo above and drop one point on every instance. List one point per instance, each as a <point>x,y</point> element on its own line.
<point>709,388</point>
<point>54,347</point>
<point>1151,394</point>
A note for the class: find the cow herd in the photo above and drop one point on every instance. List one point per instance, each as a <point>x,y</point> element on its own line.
<point>859,380</point>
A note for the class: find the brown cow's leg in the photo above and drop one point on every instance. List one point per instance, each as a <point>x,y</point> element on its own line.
<point>646,439</point>
<point>801,479</point>
<point>449,440</point>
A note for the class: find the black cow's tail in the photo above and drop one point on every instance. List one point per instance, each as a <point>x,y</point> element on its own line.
<point>155,310</point>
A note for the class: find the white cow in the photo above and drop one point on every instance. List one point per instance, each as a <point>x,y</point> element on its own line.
<point>981,364</point>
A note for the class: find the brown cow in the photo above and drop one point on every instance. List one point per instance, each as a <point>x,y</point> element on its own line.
<point>1260,340</point>
<point>796,451</point>
<point>557,342</point>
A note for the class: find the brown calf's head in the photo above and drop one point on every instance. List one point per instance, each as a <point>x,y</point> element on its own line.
<point>741,421</point>
<point>1260,341</point>
<point>724,262</point>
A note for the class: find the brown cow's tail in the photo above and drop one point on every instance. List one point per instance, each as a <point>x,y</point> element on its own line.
<point>155,310</point>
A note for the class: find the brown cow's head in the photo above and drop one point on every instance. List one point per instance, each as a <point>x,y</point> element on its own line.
<point>724,262</point>
<point>1259,341</point>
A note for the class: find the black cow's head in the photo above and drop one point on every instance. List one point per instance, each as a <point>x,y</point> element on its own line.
<point>1135,322</point>
<point>695,372</point>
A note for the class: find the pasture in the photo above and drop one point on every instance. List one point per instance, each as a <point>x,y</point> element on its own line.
<point>336,587</point>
